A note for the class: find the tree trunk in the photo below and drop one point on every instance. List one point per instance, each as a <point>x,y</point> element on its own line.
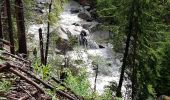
<point>20,27</point>
<point>129,34</point>
<point>95,81</point>
<point>48,35</point>
<point>41,46</point>
<point>10,27</point>
<point>1,34</point>
<point>135,48</point>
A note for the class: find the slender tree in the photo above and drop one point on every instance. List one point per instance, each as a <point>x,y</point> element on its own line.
<point>10,27</point>
<point>1,35</point>
<point>129,34</point>
<point>41,46</point>
<point>48,34</point>
<point>134,52</point>
<point>20,26</point>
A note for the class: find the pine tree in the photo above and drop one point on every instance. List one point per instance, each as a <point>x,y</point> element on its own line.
<point>10,26</point>
<point>20,27</point>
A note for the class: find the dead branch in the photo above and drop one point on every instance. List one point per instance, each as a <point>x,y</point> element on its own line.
<point>44,83</point>
<point>3,58</point>
<point>2,67</point>
<point>5,42</point>
<point>14,56</point>
<point>16,62</point>
<point>27,96</point>
<point>22,87</point>
<point>59,82</point>
<point>26,79</point>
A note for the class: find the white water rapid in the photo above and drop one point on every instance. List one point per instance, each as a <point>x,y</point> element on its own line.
<point>108,61</point>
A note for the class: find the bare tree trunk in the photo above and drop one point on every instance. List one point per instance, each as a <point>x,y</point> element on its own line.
<point>48,35</point>
<point>96,70</point>
<point>10,27</point>
<point>1,34</point>
<point>135,48</point>
<point>20,27</point>
<point>129,34</point>
<point>41,46</point>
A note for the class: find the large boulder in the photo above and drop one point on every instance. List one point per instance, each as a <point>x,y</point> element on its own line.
<point>94,27</point>
<point>85,15</point>
<point>76,24</point>
<point>100,46</point>
<point>74,10</point>
<point>62,33</point>
<point>88,8</point>
<point>86,25</point>
<point>63,45</point>
<point>84,2</point>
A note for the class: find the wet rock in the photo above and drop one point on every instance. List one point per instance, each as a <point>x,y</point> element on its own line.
<point>38,10</point>
<point>62,33</point>
<point>88,8</point>
<point>83,33</point>
<point>94,27</point>
<point>43,1</point>
<point>76,24</point>
<point>85,15</point>
<point>85,2</point>
<point>74,10</point>
<point>86,25</point>
<point>63,45</point>
<point>100,46</point>
<point>69,33</point>
<point>40,6</point>
<point>93,13</point>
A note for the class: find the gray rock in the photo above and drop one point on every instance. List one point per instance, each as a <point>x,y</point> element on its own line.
<point>76,24</point>
<point>100,46</point>
<point>88,8</point>
<point>62,33</point>
<point>86,25</point>
<point>63,45</point>
<point>94,27</point>
<point>75,10</point>
<point>85,15</point>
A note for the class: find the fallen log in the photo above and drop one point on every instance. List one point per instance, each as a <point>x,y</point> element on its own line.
<point>26,97</point>
<point>14,56</point>
<point>6,42</point>
<point>2,67</point>
<point>44,83</point>
<point>16,62</point>
<point>3,58</point>
<point>28,80</point>
<point>57,81</point>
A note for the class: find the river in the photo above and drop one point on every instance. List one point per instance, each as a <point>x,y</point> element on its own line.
<point>107,60</point>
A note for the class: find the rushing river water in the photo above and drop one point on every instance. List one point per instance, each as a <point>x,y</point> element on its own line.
<point>108,61</point>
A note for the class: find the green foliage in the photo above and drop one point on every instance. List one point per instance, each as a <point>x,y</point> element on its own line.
<point>107,95</point>
<point>150,36</point>
<point>163,82</point>
<point>52,94</point>
<point>113,15</point>
<point>43,71</point>
<point>73,41</point>
<point>149,54</point>
<point>79,83</point>
<point>5,86</point>
<point>29,15</point>
<point>53,17</point>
